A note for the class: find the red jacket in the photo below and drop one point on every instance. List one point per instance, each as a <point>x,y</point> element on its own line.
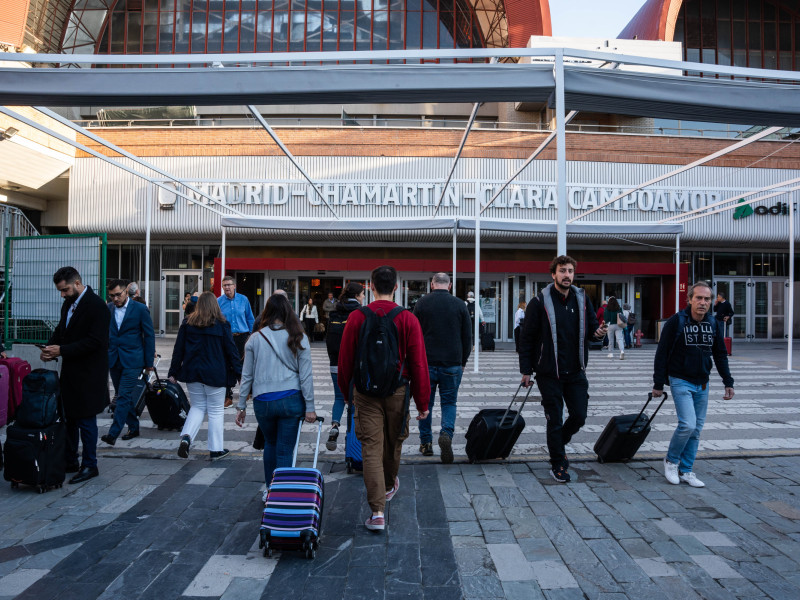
<point>412,351</point>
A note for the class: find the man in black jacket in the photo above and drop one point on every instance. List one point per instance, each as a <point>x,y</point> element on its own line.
<point>689,341</point>
<point>554,343</point>
<point>447,329</point>
<point>723,311</point>
<point>81,340</point>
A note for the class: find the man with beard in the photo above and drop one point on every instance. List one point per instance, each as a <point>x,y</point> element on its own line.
<point>554,342</point>
<point>81,340</point>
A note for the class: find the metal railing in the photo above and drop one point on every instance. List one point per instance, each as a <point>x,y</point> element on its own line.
<point>645,128</point>
<point>13,223</point>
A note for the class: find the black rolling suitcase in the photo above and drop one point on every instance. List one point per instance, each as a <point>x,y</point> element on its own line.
<point>35,456</point>
<point>494,431</point>
<point>624,434</point>
<point>141,387</point>
<point>487,342</point>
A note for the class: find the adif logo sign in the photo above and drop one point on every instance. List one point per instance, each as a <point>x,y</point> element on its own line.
<point>746,210</point>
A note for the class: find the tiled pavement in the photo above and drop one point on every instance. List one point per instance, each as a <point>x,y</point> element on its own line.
<point>187,529</point>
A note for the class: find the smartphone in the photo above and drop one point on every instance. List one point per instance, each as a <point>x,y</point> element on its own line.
<point>42,346</point>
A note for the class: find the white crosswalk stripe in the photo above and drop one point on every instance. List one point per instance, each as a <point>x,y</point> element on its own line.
<point>761,417</point>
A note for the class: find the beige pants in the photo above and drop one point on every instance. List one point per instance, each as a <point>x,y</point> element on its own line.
<point>378,423</point>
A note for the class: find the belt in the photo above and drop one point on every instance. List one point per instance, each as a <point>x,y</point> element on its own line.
<point>243,333</point>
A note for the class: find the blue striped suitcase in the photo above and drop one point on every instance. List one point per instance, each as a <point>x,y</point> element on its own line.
<point>292,517</point>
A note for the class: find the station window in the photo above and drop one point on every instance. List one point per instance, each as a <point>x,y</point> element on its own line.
<point>732,264</point>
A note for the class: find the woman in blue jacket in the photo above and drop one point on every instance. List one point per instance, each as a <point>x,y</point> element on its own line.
<point>206,358</point>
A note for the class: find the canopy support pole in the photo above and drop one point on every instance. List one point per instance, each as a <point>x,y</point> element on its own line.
<point>561,156</point>
<point>476,331</point>
<point>149,224</point>
<point>677,272</point>
<point>791,286</point>
<point>458,154</point>
<point>222,255</point>
<point>455,244</point>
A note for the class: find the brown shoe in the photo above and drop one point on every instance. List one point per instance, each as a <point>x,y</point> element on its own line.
<point>228,401</point>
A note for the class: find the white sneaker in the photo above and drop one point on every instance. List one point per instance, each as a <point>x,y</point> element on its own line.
<point>610,355</point>
<point>691,479</point>
<point>671,472</point>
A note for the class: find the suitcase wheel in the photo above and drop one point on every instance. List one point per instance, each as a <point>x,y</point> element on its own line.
<point>14,485</point>
<point>268,552</point>
<point>41,489</point>
<point>600,459</point>
<point>310,553</point>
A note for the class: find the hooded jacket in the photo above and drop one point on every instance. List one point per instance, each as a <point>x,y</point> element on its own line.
<point>206,355</point>
<point>538,342</point>
<point>336,323</point>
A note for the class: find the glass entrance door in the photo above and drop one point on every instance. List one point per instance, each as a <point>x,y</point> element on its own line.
<point>759,307</point>
<point>413,290</point>
<point>174,287</point>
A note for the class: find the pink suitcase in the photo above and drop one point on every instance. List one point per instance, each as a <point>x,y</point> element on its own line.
<point>5,389</point>
<point>18,370</point>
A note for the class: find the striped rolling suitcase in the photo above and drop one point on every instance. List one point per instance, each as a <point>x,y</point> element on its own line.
<point>292,518</point>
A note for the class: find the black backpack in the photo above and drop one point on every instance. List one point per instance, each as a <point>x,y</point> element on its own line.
<point>333,338</point>
<point>378,371</point>
<point>631,318</point>
<point>471,310</point>
<point>40,399</point>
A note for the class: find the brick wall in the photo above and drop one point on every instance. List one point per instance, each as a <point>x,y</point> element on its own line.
<point>354,141</point>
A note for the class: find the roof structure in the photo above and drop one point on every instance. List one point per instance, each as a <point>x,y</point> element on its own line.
<point>654,21</point>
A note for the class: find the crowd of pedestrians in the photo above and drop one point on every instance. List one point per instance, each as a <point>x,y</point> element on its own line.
<point>382,358</point>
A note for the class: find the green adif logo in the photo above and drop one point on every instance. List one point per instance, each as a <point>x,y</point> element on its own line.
<point>743,211</point>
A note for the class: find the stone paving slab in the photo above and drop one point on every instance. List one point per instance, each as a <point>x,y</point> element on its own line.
<point>163,529</point>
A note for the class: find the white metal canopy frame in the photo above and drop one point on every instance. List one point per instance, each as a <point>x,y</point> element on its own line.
<point>558,76</point>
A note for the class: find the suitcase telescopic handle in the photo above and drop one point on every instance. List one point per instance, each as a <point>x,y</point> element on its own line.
<point>644,408</point>
<point>519,412</point>
<point>155,364</point>
<point>320,421</point>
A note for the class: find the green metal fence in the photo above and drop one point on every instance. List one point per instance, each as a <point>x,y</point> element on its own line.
<point>32,304</point>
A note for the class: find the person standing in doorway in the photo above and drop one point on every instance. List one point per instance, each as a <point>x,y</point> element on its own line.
<point>309,317</point>
<point>131,348</point>
<point>519,319</point>
<point>690,340</point>
<point>238,313</point>
<point>328,307</point>
<point>382,423</point>
<point>135,293</point>
<point>629,323</point>
<point>474,312</point>
<point>559,322</point>
<point>81,340</point>
<point>616,323</point>
<point>723,312</point>
<point>445,326</point>
<point>352,299</point>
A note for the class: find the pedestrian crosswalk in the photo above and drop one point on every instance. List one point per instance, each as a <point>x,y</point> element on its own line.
<point>762,417</point>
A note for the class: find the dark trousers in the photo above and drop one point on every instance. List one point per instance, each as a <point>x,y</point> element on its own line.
<point>86,429</point>
<point>125,412</point>
<point>240,339</point>
<point>572,390</point>
<point>309,325</point>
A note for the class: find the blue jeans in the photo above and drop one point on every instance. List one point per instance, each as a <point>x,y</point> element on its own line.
<point>86,429</point>
<point>627,333</point>
<point>691,402</point>
<point>448,379</point>
<point>123,380</point>
<point>338,400</point>
<point>279,420</point>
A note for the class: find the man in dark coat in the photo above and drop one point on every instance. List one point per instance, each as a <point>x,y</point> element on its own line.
<point>81,341</point>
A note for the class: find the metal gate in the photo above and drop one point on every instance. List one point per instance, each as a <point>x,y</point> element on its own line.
<point>31,303</point>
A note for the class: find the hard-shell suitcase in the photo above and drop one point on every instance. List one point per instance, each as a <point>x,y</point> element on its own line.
<point>35,456</point>
<point>167,404</point>
<point>5,391</point>
<point>18,370</point>
<point>728,345</point>
<point>624,434</point>
<point>292,517</point>
<point>352,445</point>
<point>487,342</point>
<point>494,431</point>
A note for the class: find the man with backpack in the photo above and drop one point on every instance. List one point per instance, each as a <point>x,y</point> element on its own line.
<point>690,339</point>
<point>448,342</point>
<point>474,310</point>
<point>381,364</point>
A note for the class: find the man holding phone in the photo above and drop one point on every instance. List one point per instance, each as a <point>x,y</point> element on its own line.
<point>554,342</point>
<point>81,340</point>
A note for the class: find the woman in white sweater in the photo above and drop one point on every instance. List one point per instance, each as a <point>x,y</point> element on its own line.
<point>277,372</point>
<point>309,317</point>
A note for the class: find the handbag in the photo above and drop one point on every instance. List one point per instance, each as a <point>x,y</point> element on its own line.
<point>258,441</point>
<point>621,320</point>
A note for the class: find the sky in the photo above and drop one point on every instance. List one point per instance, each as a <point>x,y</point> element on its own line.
<point>592,18</point>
